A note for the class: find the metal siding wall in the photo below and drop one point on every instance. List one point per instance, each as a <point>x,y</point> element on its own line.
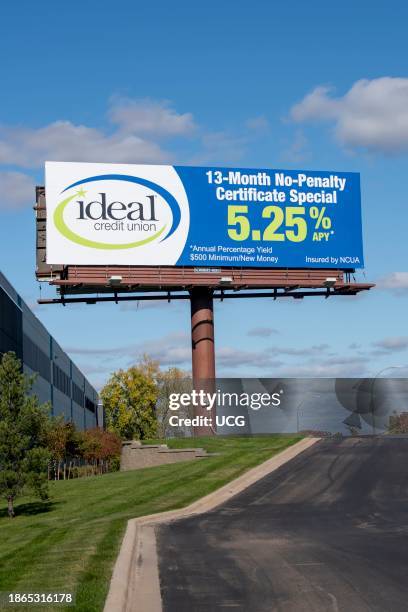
<point>37,333</point>
<point>62,404</point>
<point>77,376</point>
<point>90,417</point>
<point>41,387</point>
<point>35,330</point>
<point>61,359</point>
<point>78,416</point>
<point>11,325</point>
<point>8,288</point>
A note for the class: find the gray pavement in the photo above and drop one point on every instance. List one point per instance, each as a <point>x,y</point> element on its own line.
<point>326,531</point>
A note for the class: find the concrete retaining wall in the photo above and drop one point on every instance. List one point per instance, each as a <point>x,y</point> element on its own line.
<point>136,455</point>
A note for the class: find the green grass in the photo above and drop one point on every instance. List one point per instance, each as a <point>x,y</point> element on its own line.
<point>71,542</point>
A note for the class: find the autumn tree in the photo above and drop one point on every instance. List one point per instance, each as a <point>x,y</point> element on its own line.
<point>23,426</point>
<point>173,380</point>
<point>63,441</point>
<point>99,445</point>
<point>129,399</point>
<point>398,423</point>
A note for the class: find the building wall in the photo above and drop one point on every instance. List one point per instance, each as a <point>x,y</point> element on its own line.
<point>10,322</point>
<point>58,380</point>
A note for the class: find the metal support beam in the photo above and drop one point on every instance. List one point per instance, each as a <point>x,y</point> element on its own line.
<point>217,295</point>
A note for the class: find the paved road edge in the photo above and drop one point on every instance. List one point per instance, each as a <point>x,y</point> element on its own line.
<point>135,586</point>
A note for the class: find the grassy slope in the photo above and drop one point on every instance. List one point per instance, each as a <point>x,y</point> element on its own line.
<point>71,543</point>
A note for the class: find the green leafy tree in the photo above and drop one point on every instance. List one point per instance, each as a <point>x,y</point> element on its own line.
<point>23,429</point>
<point>129,399</point>
<point>57,437</point>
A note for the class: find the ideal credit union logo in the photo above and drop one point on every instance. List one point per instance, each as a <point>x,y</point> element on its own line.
<point>116,211</point>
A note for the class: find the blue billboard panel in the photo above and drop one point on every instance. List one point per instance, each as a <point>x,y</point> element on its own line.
<point>273,218</point>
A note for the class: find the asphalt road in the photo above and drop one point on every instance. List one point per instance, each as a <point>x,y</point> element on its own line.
<point>328,531</point>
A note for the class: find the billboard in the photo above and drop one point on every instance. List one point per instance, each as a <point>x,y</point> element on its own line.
<point>147,215</point>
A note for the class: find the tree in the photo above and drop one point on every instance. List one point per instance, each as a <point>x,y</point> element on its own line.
<point>99,445</point>
<point>23,429</point>
<point>129,399</point>
<point>398,423</point>
<point>171,381</point>
<point>63,441</point>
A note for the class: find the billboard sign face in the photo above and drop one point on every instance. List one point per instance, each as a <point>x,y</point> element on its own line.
<point>147,215</point>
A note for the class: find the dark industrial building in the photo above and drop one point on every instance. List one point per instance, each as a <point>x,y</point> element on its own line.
<point>58,380</point>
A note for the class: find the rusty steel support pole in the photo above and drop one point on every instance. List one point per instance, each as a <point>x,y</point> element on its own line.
<point>203,353</point>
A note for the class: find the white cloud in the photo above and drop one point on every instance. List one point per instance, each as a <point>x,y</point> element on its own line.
<point>397,282</point>
<point>17,190</point>
<point>309,350</point>
<point>65,141</point>
<point>296,151</point>
<point>372,115</point>
<point>164,349</point>
<point>227,356</point>
<point>150,117</point>
<point>220,148</point>
<point>133,134</point>
<point>174,350</point>
<point>259,125</point>
<point>397,343</point>
<point>262,332</point>
<point>347,360</point>
<point>137,125</point>
<point>171,350</point>
<point>323,370</point>
<point>99,363</point>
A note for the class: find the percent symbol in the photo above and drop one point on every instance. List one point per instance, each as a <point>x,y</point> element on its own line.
<point>321,219</point>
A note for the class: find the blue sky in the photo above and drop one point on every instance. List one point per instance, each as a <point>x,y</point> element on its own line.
<point>297,85</point>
